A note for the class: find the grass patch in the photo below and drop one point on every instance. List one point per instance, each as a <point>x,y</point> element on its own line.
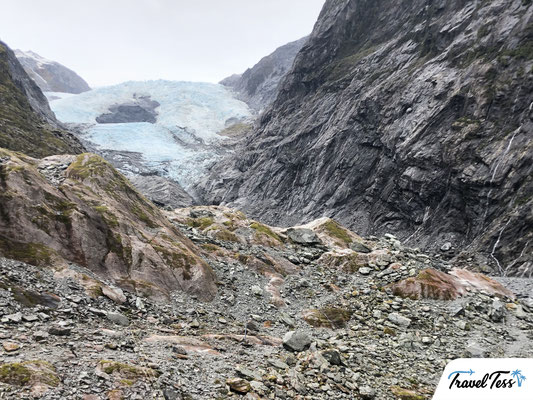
<point>200,223</point>
<point>226,236</point>
<point>265,230</point>
<point>337,231</point>
<point>238,129</point>
<point>29,372</point>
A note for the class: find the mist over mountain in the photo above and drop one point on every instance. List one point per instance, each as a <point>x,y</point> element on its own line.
<point>49,75</point>
<point>258,85</point>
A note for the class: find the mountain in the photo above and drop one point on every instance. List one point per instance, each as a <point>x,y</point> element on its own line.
<point>104,294</point>
<point>163,131</point>
<point>258,85</point>
<point>57,209</point>
<point>49,75</point>
<point>79,209</point>
<point>407,117</point>
<point>27,123</point>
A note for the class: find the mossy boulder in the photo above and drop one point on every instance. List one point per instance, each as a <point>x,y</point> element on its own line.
<point>429,284</point>
<point>127,373</point>
<point>327,317</point>
<point>29,373</point>
<point>438,285</point>
<point>265,234</point>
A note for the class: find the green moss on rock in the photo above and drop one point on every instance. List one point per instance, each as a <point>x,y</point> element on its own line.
<point>201,223</point>
<point>238,129</point>
<point>127,371</point>
<point>29,373</point>
<point>337,231</point>
<point>32,253</point>
<point>265,230</point>
<point>227,236</point>
<point>328,317</point>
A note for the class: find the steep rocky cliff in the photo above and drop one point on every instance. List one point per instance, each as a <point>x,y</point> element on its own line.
<point>49,75</point>
<point>258,85</point>
<point>26,122</point>
<point>413,117</point>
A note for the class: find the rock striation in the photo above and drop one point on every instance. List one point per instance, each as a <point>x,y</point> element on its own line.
<point>258,86</point>
<point>413,118</point>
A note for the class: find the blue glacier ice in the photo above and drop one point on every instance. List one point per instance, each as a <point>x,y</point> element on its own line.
<point>182,143</point>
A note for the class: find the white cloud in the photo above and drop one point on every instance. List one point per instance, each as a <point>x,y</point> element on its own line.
<point>113,41</point>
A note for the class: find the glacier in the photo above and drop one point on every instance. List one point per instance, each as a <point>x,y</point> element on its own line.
<point>182,143</point>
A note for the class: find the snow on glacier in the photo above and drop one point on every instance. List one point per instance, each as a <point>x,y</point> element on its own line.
<point>201,107</point>
<point>183,141</point>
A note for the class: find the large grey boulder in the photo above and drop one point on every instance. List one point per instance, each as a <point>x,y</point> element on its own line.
<point>303,236</point>
<point>296,341</point>
<point>399,320</point>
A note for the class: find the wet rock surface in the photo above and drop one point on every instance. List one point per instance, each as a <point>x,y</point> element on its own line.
<point>407,118</point>
<point>250,342</point>
<point>258,85</point>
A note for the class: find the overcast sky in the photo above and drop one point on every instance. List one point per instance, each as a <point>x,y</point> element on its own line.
<point>111,41</point>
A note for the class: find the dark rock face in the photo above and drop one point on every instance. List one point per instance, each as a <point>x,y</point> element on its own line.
<point>51,76</point>
<point>26,122</point>
<point>411,117</point>
<point>258,85</point>
<point>141,109</point>
<point>162,191</point>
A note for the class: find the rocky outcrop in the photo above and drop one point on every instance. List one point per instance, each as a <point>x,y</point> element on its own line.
<point>140,109</point>
<point>26,122</point>
<point>162,191</point>
<point>49,75</point>
<point>411,117</point>
<point>437,285</point>
<point>79,209</point>
<point>258,86</point>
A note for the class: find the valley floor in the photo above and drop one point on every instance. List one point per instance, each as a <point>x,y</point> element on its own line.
<point>355,339</point>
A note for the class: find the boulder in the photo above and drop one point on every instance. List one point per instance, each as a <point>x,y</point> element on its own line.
<point>296,341</point>
<point>438,285</point>
<point>118,318</point>
<point>399,319</point>
<point>303,236</point>
<point>238,385</point>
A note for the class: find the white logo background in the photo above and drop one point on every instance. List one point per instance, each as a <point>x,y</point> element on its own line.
<point>480,367</point>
